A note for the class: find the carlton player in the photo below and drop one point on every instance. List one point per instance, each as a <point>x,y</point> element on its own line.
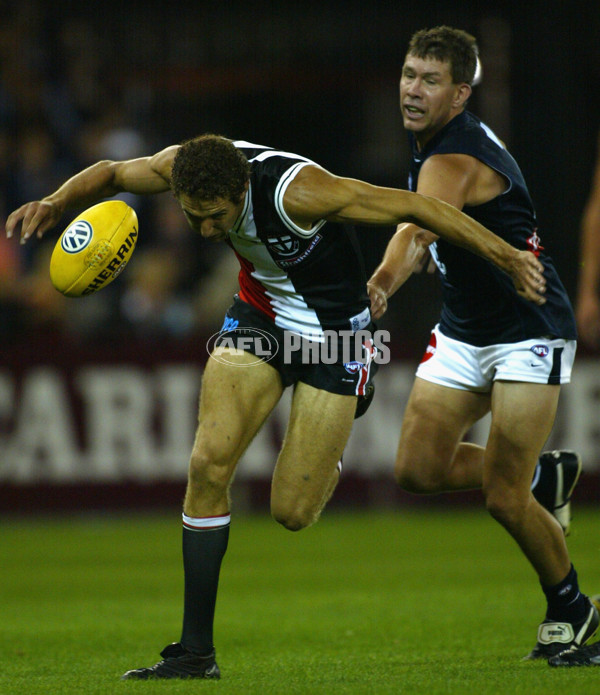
<point>491,351</point>
<point>284,217</point>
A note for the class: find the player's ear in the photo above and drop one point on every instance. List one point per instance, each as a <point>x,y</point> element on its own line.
<point>246,187</point>
<point>462,94</point>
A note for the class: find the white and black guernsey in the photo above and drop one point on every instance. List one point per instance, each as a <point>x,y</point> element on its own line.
<point>480,304</point>
<point>305,281</point>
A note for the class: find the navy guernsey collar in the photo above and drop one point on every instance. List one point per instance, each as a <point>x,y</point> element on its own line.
<point>453,123</point>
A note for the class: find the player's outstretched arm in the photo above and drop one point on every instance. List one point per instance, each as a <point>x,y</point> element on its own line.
<point>316,194</point>
<point>101,180</point>
<point>405,254</point>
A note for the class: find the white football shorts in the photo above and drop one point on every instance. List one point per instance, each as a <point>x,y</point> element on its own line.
<point>462,366</point>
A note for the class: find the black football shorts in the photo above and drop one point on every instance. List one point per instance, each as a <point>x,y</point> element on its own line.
<point>343,363</point>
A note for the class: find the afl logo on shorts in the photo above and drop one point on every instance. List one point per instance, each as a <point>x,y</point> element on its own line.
<point>540,350</point>
<point>77,237</point>
<point>353,367</point>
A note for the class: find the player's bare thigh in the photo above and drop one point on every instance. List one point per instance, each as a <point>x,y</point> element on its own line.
<point>435,421</point>
<point>235,399</point>
<point>522,418</point>
<point>318,430</point>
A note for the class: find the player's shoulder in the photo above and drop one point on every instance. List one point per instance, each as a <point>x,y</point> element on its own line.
<point>467,135</point>
<point>262,154</point>
<point>450,160</point>
<point>280,170</point>
<point>465,128</point>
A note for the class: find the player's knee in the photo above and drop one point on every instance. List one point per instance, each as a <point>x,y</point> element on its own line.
<point>504,505</point>
<point>208,472</point>
<point>293,517</point>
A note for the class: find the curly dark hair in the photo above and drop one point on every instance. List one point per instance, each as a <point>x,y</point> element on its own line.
<point>453,46</point>
<point>208,167</point>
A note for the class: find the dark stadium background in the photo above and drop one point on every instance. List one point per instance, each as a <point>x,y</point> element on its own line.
<point>79,82</point>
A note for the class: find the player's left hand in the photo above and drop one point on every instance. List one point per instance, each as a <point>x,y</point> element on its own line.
<point>528,277</point>
<point>378,300</point>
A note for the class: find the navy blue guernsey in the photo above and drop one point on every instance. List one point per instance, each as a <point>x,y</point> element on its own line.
<point>306,281</point>
<point>480,304</point>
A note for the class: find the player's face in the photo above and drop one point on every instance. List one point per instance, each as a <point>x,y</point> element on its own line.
<point>428,97</point>
<point>211,218</point>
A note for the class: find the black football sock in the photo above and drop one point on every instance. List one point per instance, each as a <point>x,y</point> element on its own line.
<point>204,545</point>
<point>565,601</point>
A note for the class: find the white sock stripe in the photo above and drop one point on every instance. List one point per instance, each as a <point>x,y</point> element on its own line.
<point>575,599</point>
<point>536,475</point>
<point>559,497</point>
<point>205,523</point>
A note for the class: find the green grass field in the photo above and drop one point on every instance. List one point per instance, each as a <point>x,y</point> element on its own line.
<point>428,602</point>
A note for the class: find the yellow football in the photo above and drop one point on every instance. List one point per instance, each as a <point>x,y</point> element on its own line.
<point>94,249</point>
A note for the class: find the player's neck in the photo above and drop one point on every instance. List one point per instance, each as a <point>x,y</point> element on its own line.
<point>425,136</point>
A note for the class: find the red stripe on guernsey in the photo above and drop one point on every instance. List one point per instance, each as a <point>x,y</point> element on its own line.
<point>431,348</point>
<point>251,291</point>
<point>206,523</point>
<point>364,372</point>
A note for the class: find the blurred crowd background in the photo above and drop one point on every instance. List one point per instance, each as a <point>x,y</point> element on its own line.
<point>85,81</point>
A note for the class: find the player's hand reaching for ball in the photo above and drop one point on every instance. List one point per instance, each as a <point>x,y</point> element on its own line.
<point>36,218</point>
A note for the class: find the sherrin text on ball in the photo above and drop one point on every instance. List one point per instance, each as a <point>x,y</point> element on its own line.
<point>94,249</point>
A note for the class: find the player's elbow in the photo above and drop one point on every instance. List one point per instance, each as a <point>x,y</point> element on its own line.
<point>106,173</point>
<point>424,238</point>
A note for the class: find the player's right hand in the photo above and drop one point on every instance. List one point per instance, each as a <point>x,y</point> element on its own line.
<point>527,273</point>
<point>378,300</point>
<point>35,218</point>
